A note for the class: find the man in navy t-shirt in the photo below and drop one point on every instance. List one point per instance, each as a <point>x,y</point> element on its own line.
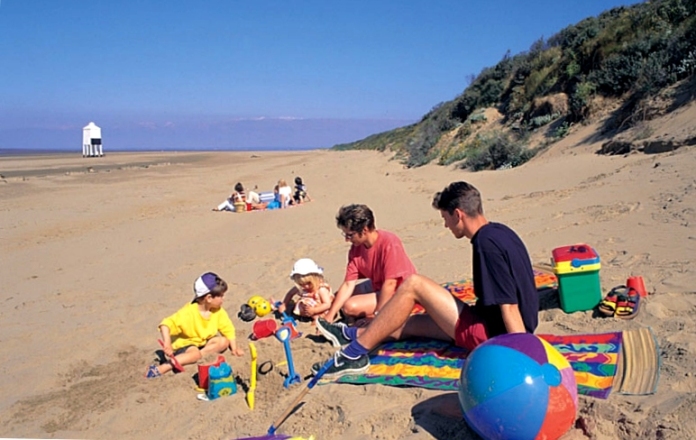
<point>503,283</point>
<point>503,275</point>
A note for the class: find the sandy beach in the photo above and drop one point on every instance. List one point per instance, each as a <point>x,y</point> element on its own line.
<point>96,251</point>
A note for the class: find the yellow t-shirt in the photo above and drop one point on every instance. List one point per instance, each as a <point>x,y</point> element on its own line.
<point>188,327</point>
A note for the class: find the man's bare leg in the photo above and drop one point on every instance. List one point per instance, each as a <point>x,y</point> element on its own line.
<point>362,303</point>
<point>395,319</point>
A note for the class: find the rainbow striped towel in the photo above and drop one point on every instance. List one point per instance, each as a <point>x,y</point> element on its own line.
<point>436,364</point>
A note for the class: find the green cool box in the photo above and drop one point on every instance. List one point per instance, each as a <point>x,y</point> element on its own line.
<point>577,268</point>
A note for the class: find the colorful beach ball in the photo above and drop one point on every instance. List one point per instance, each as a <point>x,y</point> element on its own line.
<point>518,386</point>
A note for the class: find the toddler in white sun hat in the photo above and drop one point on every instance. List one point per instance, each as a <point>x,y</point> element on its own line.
<point>311,295</point>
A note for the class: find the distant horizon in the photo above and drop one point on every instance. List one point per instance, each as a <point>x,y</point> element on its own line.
<point>31,151</point>
<point>192,133</point>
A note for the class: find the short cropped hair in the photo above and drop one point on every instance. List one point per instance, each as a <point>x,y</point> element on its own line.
<point>220,287</point>
<point>355,218</point>
<point>460,195</point>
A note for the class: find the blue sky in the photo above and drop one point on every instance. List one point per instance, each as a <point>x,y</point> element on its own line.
<point>224,74</point>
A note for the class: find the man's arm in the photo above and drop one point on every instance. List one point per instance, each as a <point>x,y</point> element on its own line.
<point>512,318</point>
<point>344,292</point>
<point>385,294</point>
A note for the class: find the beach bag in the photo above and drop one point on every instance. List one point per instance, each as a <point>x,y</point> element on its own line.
<point>273,205</point>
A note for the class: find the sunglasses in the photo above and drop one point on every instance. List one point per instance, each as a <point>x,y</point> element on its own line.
<point>348,235</point>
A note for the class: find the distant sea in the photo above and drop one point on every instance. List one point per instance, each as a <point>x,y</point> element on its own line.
<point>40,151</point>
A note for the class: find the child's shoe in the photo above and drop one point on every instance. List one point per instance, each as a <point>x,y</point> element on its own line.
<point>152,372</point>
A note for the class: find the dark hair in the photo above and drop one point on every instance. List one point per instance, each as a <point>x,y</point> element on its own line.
<point>298,180</point>
<point>239,187</point>
<point>460,195</point>
<point>220,287</point>
<point>355,218</point>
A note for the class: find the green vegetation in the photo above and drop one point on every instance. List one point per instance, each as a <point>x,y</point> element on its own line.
<point>495,151</point>
<point>381,141</point>
<point>631,53</point>
<point>562,130</point>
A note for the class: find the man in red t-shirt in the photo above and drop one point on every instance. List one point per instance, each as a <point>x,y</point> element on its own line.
<point>375,254</point>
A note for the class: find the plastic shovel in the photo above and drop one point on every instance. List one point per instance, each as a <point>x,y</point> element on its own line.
<point>175,364</point>
<point>309,386</point>
<point>252,383</point>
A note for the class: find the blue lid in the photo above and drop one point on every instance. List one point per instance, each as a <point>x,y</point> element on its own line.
<point>221,372</point>
<point>578,262</point>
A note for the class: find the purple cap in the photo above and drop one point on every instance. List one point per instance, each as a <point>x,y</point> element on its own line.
<point>204,284</point>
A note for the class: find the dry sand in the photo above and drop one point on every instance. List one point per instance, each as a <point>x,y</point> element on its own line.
<point>92,260</point>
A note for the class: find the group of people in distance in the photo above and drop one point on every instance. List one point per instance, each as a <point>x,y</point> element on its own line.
<point>380,289</point>
<point>283,196</point>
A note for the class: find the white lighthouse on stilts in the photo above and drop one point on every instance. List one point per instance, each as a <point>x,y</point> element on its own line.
<point>91,141</point>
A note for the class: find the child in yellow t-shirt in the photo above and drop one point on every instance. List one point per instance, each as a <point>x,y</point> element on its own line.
<point>199,328</point>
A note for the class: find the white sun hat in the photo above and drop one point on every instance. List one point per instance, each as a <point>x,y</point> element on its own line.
<point>305,266</point>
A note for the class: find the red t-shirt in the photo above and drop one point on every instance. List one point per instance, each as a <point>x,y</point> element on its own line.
<point>385,260</point>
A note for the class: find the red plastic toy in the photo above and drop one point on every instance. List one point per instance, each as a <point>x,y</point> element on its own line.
<point>264,328</point>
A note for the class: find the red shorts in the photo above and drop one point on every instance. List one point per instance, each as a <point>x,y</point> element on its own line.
<point>470,330</point>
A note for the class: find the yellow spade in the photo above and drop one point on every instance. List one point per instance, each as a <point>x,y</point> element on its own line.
<point>252,384</point>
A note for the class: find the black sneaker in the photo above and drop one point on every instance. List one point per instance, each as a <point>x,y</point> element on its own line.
<point>343,365</point>
<point>333,332</point>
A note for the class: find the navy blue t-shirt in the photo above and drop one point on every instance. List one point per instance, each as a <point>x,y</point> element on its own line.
<point>503,275</point>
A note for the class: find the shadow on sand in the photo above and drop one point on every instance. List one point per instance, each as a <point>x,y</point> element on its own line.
<point>441,416</point>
